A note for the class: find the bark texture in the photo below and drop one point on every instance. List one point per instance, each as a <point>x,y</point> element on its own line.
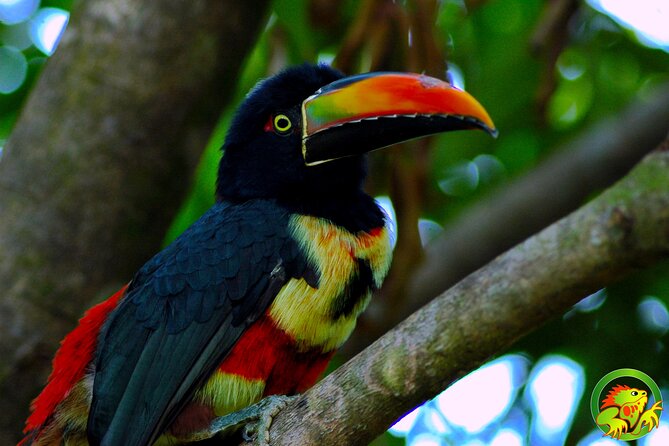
<point>625,228</point>
<point>98,162</point>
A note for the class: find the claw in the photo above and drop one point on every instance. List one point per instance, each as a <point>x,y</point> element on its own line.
<point>258,431</point>
<point>255,421</point>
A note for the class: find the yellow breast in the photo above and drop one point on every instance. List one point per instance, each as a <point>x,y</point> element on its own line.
<point>309,314</point>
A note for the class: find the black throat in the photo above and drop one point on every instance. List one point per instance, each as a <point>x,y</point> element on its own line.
<point>355,212</point>
<point>331,190</point>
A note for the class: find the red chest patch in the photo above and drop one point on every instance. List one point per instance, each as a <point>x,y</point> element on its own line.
<point>265,352</point>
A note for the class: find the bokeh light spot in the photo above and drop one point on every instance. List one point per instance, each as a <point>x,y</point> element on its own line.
<point>387,205</point>
<point>428,230</point>
<point>588,304</point>
<point>495,383</point>
<point>463,178</point>
<point>404,424</point>
<point>507,437</point>
<point>654,315</point>
<point>490,168</point>
<point>554,389</point>
<point>47,27</point>
<point>16,11</point>
<point>460,179</point>
<point>17,36</point>
<point>437,422</point>
<point>425,440</point>
<point>14,69</point>
<point>647,18</point>
<point>326,57</point>
<point>571,64</point>
<point>570,103</point>
<point>455,76</point>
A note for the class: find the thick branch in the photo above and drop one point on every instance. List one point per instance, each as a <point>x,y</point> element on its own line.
<point>623,229</point>
<point>98,162</point>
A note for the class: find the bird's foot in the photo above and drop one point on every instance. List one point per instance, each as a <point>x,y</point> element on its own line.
<point>255,421</point>
<point>258,430</point>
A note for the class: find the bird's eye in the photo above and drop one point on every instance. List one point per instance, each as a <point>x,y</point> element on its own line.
<point>282,124</point>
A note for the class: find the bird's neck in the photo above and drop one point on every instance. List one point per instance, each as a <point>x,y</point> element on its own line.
<point>355,211</point>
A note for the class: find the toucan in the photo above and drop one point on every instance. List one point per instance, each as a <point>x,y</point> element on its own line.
<point>255,297</point>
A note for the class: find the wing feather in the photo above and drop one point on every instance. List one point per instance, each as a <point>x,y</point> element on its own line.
<point>183,313</point>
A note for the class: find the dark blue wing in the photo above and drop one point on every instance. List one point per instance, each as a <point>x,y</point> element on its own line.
<point>183,312</point>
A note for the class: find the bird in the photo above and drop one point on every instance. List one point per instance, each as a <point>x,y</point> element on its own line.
<point>254,298</point>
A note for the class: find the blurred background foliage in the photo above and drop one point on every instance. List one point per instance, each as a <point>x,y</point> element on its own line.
<point>545,71</point>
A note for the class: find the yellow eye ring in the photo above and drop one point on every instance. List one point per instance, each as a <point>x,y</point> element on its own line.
<point>282,124</point>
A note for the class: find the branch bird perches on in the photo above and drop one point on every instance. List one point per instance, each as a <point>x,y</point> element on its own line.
<point>624,229</point>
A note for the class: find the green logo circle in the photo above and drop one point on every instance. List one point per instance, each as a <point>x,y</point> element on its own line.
<point>621,404</point>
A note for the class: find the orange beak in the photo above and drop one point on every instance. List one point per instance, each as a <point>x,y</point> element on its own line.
<point>366,112</point>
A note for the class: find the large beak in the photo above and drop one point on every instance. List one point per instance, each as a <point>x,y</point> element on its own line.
<point>361,113</point>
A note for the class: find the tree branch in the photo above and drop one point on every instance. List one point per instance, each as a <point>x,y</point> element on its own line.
<point>98,162</point>
<point>625,228</point>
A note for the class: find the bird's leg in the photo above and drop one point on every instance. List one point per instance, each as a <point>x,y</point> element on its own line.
<point>256,421</point>
<point>258,430</point>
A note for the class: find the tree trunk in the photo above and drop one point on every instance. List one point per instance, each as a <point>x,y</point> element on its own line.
<point>99,162</point>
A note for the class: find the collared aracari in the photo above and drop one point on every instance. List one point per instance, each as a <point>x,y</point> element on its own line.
<point>254,298</point>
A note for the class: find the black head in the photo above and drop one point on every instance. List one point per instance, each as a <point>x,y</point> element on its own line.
<point>301,136</point>
<point>263,148</point>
